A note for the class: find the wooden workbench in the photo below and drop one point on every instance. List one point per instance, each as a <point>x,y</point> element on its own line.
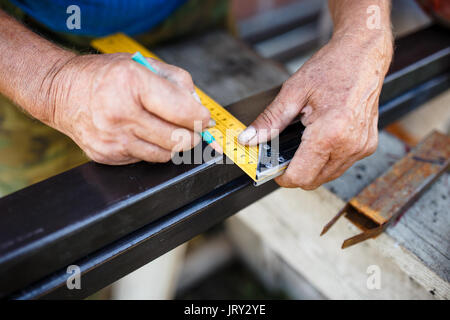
<point>279,237</point>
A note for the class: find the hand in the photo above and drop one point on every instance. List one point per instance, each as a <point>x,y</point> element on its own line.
<point>119,112</point>
<point>336,94</point>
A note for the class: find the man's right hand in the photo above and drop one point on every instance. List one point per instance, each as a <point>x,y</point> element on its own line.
<point>119,112</point>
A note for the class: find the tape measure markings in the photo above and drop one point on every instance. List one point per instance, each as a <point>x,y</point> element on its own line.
<point>227,127</point>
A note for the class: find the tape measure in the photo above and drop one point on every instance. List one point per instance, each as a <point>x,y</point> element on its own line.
<point>227,127</point>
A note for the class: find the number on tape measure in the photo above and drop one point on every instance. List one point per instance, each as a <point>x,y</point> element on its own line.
<point>227,127</point>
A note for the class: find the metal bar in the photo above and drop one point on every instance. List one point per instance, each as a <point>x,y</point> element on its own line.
<point>92,205</point>
<point>392,110</point>
<point>135,250</point>
<point>282,28</point>
<point>61,220</point>
<point>268,25</point>
<point>432,45</point>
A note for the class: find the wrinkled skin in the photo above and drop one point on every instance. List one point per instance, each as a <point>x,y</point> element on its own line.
<point>336,95</point>
<point>119,112</point>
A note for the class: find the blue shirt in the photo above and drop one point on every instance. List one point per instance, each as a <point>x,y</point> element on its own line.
<point>100,17</point>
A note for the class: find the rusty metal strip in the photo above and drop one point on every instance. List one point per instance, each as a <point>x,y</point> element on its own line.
<point>394,192</point>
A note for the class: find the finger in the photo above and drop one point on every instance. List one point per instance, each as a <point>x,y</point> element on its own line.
<point>325,177</point>
<point>105,159</point>
<point>276,117</point>
<point>334,169</point>
<point>174,74</point>
<point>172,103</point>
<point>178,76</point>
<point>372,141</point>
<point>340,160</point>
<point>307,163</point>
<point>145,151</point>
<point>164,134</point>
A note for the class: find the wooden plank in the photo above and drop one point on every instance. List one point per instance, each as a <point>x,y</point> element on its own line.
<point>288,222</point>
<point>423,229</point>
<point>412,255</point>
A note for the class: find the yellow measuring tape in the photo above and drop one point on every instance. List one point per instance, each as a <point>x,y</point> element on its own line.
<point>227,127</point>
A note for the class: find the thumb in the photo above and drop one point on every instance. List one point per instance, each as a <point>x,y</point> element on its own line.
<point>276,117</point>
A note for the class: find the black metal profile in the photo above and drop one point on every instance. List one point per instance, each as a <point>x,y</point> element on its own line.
<point>112,220</point>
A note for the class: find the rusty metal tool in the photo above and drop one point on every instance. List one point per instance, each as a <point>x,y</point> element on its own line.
<point>391,194</point>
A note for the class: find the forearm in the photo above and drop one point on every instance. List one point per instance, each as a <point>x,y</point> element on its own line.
<point>28,64</point>
<point>367,22</point>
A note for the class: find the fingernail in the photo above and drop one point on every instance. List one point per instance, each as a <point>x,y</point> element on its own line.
<point>211,123</point>
<point>247,134</point>
<point>196,97</point>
